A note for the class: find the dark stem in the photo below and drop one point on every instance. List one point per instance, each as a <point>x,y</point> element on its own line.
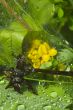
<point>43,71</point>
<point>53,72</point>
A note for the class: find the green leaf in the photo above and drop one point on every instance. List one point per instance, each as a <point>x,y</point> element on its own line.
<point>34,26</point>
<point>54,96</point>
<point>71,23</point>
<point>60,12</point>
<point>46,65</point>
<point>11,43</point>
<point>41,11</point>
<point>57,1</point>
<point>53,40</point>
<point>65,56</point>
<point>5,17</point>
<point>71,27</point>
<point>16,26</point>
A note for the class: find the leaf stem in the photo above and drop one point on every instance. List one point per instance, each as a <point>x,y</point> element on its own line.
<point>47,81</point>
<point>13,13</point>
<point>51,72</point>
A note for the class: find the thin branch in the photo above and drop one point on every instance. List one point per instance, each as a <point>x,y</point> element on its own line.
<point>47,81</point>
<point>51,72</point>
<point>13,13</point>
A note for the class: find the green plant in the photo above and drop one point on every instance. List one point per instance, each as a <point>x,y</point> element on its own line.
<point>16,20</point>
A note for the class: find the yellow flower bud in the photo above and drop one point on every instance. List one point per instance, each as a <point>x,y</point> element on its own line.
<point>29,55</point>
<point>35,57</point>
<point>45,57</point>
<point>46,45</point>
<point>34,52</point>
<point>52,52</point>
<point>30,51</point>
<point>36,65</point>
<point>42,50</point>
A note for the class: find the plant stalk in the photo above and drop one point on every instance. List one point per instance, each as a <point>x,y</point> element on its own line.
<point>13,13</point>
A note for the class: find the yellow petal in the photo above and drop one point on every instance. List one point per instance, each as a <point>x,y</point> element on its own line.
<point>34,52</point>
<point>29,55</point>
<point>46,45</point>
<point>36,65</point>
<point>45,57</point>
<point>42,61</point>
<point>35,57</point>
<point>52,52</point>
<point>30,51</point>
<point>42,50</point>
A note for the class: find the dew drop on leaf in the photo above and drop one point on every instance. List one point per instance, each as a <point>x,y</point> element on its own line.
<point>54,104</point>
<point>60,99</point>
<point>21,107</point>
<point>1,108</point>
<point>47,107</point>
<point>68,101</point>
<point>53,94</point>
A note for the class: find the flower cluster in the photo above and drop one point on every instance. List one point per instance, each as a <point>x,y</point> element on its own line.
<point>40,53</point>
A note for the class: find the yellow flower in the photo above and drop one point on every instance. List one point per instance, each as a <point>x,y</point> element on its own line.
<point>29,56</point>
<point>36,65</point>
<point>40,53</point>
<point>45,58</point>
<point>52,52</point>
<point>35,58</point>
<point>30,51</point>
<point>34,52</point>
<point>46,45</point>
<point>42,50</point>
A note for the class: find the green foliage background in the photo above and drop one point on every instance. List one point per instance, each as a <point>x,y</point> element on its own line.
<point>55,17</point>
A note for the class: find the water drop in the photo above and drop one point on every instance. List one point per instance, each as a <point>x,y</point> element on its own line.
<point>47,95</point>
<point>1,108</point>
<point>25,1</point>
<point>2,82</point>
<point>39,83</point>
<point>27,98</point>
<point>21,107</point>
<point>47,107</point>
<point>60,99</point>
<point>59,106</point>
<point>54,104</point>
<point>42,98</point>
<point>60,83</point>
<point>53,94</point>
<point>68,101</point>
<point>64,96</point>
